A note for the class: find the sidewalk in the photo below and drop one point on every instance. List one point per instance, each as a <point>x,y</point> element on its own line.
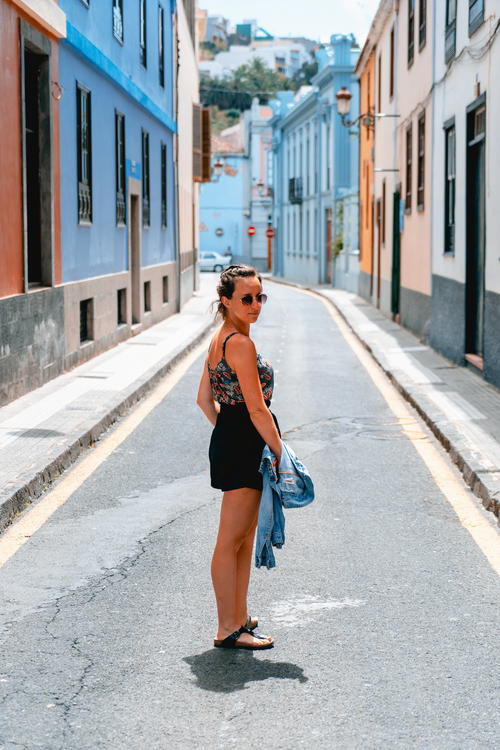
<point>462,410</point>
<point>43,432</point>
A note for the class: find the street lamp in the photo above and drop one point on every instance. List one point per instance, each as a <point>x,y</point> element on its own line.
<point>217,170</point>
<point>344,97</point>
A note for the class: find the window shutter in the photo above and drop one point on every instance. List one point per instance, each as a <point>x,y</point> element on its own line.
<point>206,152</point>
<point>197,143</point>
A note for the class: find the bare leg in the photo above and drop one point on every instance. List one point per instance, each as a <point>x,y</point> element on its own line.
<point>238,514</point>
<point>243,566</point>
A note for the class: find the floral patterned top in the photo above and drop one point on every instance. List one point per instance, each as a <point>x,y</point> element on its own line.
<point>224,381</point>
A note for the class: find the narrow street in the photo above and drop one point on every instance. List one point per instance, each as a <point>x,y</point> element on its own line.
<point>383,606</point>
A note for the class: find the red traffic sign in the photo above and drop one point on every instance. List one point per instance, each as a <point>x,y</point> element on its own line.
<point>270,233</point>
<point>251,231</point>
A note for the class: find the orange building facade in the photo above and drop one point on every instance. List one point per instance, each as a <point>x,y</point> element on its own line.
<point>366,72</point>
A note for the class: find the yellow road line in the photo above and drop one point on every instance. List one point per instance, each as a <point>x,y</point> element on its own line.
<point>460,497</point>
<point>18,534</point>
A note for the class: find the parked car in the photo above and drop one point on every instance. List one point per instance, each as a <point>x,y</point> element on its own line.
<point>210,261</point>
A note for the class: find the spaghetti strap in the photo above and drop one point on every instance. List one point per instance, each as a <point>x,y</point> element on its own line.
<point>224,342</point>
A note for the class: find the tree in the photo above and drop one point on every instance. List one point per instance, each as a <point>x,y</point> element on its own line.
<point>259,80</point>
<point>302,77</point>
<point>237,90</point>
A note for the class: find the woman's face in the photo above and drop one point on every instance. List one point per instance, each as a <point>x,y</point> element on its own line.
<point>237,311</point>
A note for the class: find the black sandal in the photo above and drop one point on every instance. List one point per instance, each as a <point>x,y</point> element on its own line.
<point>231,641</point>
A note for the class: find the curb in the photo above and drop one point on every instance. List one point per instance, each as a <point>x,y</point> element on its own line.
<point>30,490</point>
<point>473,471</point>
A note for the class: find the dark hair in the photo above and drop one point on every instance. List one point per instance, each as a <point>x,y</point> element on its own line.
<point>228,277</point>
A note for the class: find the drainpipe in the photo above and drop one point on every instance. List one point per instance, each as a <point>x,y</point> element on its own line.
<point>175,94</point>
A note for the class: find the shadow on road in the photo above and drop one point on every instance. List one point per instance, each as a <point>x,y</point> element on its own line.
<point>224,671</point>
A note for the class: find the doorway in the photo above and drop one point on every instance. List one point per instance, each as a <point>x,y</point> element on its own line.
<point>396,260</point>
<point>475,254</point>
<point>379,247</point>
<point>37,158</point>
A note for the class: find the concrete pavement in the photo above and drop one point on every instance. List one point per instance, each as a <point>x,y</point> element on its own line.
<point>43,432</point>
<point>462,409</point>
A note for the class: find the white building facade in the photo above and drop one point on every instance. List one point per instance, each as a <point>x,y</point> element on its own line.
<point>465,185</point>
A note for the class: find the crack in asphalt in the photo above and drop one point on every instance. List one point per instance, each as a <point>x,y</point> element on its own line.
<point>120,573</point>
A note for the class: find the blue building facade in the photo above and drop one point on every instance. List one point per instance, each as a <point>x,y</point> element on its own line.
<point>117,171</point>
<point>316,174</point>
<point>241,197</point>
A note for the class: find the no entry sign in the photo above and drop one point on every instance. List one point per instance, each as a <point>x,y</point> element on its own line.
<point>270,233</point>
<point>251,231</point>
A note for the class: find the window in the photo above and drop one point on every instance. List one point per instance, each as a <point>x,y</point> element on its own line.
<point>411,31</point>
<point>391,72</point>
<point>449,188</point>
<point>422,23</point>
<point>308,160</point>
<point>121,303</point>
<point>450,33</point>
<point>316,184</point>
<point>147,296</point>
<point>476,15</point>
<point>118,19</point>
<point>408,168</point>
<point>142,33</point>
<point>421,161</point>
<point>146,196</point>
<point>328,171</point>
<point>306,243</point>
<point>86,320</point>
<point>164,215</point>
<point>161,45</point>
<point>84,154</point>
<point>202,157</point>
<point>165,289</point>
<point>120,168</point>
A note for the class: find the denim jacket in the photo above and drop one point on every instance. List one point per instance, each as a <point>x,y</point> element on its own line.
<point>289,487</point>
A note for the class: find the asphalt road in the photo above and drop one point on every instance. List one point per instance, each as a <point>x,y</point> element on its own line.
<point>383,608</point>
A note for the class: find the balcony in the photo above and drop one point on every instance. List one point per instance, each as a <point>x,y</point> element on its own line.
<point>295,190</point>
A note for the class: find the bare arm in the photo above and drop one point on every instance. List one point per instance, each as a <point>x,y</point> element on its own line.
<point>244,362</point>
<point>205,399</point>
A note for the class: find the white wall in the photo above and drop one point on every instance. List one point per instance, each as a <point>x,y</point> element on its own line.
<point>454,90</point>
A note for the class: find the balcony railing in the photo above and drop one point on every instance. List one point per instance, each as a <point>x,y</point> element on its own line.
<point>84,202</point>
<point>120,209</point>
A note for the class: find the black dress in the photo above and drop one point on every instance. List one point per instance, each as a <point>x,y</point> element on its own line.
<point>236,447</point>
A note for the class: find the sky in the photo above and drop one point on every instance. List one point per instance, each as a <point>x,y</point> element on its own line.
<point>315,19</point>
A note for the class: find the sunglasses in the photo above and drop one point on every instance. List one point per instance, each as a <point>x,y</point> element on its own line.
<point>249,298</point>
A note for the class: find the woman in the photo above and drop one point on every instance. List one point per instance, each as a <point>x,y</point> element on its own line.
<point>235,392</point>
